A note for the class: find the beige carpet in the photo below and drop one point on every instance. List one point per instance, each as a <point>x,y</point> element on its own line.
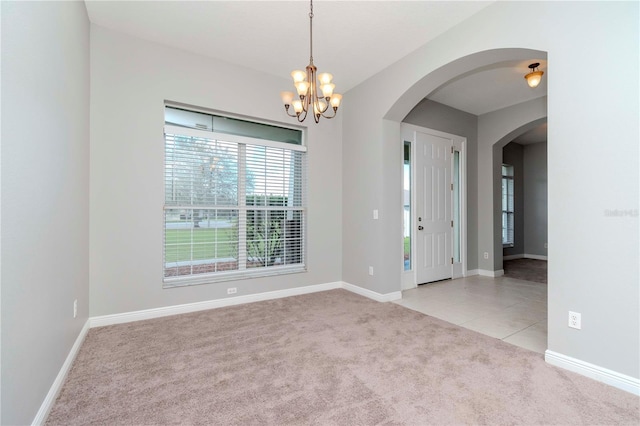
<point>331,358</point>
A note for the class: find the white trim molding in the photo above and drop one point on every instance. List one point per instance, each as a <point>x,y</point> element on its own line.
<point>125,317</point>
<point>525,256</point>
<point>535,256</point>
<point>493,274</point>
<point>471,272</point>
<point>47,404</point>
<point>601,374</point>
<point>186,308</point>
<point>513,257</point>
<point>378,297</point>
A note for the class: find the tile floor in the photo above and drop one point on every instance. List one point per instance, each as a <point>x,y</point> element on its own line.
<point>505,308</point>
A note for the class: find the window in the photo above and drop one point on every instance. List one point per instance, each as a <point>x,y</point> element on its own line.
<point>234,199</point>
<point>507,205</point>
<point>407,205</point>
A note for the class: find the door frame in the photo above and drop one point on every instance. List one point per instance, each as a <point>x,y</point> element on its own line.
<point>407,134</point>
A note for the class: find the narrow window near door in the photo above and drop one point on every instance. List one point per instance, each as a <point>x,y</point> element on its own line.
<point>507,206</point>
<point>235,199</point>
<point>456,206</point>
<point>407,205</point>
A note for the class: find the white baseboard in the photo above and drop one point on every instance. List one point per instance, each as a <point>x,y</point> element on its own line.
<point>494,274</point>
<point>47,404</point>
<point>535,256</point>
<point>513,257</point>
<point>524,256</point>
<point>125,317</point>
<point>471,273</point>
<point>604,375</point>
<point>379,297</point>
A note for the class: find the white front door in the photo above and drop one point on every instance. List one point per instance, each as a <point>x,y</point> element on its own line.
<point>433,207</point>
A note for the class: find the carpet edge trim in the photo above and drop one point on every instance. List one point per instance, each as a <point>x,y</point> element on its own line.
<point>601,374</point>
<point>56,386</point>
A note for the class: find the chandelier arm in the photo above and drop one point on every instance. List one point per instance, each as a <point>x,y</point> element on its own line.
<point>286,108</point>
<point>301,117</point>
<point>335,112</point>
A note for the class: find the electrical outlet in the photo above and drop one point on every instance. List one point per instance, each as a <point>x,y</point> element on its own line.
<point>546,245</point>
<point>232,290</point>
<point>575,320</point>
<point>75,308</point>
<point>370,270</point>
<point>375,214</point>
<point>486,255</point>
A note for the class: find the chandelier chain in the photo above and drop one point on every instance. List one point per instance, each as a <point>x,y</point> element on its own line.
<point>311,33</point>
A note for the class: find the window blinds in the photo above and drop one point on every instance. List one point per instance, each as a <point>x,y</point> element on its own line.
<point>235,206</point>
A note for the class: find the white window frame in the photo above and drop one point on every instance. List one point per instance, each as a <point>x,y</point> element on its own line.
<point>242,272</point>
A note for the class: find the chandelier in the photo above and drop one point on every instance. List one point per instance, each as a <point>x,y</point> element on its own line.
<point>309,89</point>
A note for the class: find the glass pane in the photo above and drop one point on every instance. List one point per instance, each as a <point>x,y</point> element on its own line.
<point>274,238</point>
<point>233,126</point>
<point>407,206</point>
<point>198,241</point>
<point>200,171</point>
<point>456,207</point>
<point>274,177</point>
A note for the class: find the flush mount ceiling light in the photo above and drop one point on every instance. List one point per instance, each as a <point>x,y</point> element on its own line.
<point>309,89</point>
<point>535,76</point>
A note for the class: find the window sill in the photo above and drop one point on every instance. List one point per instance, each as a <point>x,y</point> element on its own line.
<point>187,280</point>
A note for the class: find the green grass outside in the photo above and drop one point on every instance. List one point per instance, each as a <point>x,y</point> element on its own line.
<point>407,245</point>
<point>200,243</point>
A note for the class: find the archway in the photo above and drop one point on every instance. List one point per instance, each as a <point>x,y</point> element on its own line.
<point>493,128</point>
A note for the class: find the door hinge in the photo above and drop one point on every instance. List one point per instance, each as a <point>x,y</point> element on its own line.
<point>452,149</point>
<point>452,260</point>
<point>452,187</point>
<point>452,224</point>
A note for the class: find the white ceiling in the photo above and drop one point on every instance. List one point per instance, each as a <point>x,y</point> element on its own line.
<point>490,88</point>
<point>352,39</point>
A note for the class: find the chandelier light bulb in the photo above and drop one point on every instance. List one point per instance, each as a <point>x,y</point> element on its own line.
<point>302,87</point>
<point>325,78</point>
<point>287,97</point>
<point>327,89</point>
<point>298,76</point>
<point>335,100</point>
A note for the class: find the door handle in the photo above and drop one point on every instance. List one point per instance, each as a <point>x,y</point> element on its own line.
<point>420,228</point>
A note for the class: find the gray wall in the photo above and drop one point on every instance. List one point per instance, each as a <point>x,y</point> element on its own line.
<point>495,130</point>
<point>130,80</point>
<point>45,196</point>
<point>606,292</point>
<point>512,154</point>
<point>535,198</point>
<point>436,116</point>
